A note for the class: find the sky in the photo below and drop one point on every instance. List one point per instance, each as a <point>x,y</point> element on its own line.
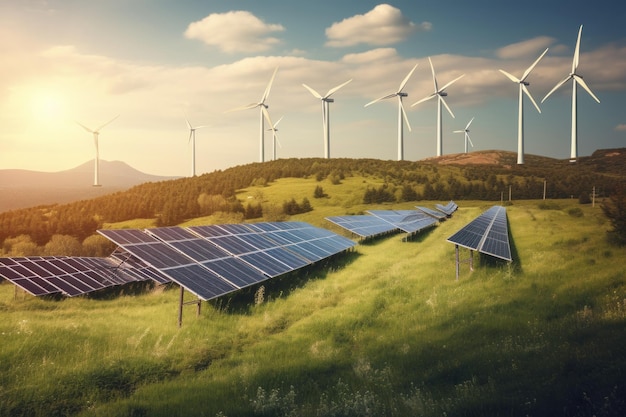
<point>156,63</point>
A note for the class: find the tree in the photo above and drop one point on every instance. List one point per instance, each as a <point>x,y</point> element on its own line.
<point>615,209</point>
<point>319,192</point>
<point>63,245</point>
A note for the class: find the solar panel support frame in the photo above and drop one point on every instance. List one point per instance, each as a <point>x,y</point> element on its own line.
<point>459,261</point>
<point>182,303</point>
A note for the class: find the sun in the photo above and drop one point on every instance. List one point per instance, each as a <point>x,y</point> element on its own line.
<point>47,106</point>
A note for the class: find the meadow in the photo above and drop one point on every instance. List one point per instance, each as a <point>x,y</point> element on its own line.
<point>385,330</point>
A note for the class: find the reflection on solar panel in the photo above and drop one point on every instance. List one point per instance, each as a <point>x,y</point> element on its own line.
<point>385,221</point>
<point>437,214</point>
<point>448,209</point>
<point>488,234</point>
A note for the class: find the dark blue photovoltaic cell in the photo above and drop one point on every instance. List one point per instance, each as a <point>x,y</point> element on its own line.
<point>200,250</point>
<point>235,271</point>
<point>307,251</point>
<point>488,234</point>
<point>264,262</point>
<point>233,244</point>
<point>200,281</point>
<point>448,208</point>
<point>363,225</point>
<point>124,237</point>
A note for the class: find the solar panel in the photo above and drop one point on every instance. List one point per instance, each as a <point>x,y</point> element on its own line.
<point>448,209</point>
<point>208,261</point>
<point>488,233</point>
<point>437,214</point>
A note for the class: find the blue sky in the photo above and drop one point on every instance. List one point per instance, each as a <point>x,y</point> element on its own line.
<point>155,62</point>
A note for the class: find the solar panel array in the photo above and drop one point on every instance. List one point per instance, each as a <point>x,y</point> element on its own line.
<point>437,214</point>
<point>379,222</point>
<point>72,276</point>
<point>208,261</point>
<point>488,234</point>
<point>211,261</point>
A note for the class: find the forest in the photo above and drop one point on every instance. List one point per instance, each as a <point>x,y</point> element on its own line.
<point>70,229</point>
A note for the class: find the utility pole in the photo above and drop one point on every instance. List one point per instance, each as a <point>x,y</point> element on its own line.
<point>593,197</point>
<point>544,189</point>
<point>509,193</point>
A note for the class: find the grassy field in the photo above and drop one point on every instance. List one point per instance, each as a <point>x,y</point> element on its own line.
<point>383,331</point>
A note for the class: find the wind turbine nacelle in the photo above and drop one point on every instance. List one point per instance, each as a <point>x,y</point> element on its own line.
<point>526,83</point>
<point>329,100</point>
<point>443,94</point>
<point>402,94</point>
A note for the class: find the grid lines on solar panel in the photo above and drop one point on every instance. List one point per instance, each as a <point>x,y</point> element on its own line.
<point>431,212</point>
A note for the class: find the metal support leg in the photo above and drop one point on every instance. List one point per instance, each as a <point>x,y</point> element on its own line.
<point>456,250</point>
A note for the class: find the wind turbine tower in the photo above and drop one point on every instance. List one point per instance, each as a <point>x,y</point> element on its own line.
<point>576,79</point>
<point>275,140</point>
<point>264,115</point>
<point>440,94</point>
<point>467,136</point>
<point>523,89</point>
<point>192,139</point>
<point>401,112</point>
<point>96,133</point>
<point>326,113</point>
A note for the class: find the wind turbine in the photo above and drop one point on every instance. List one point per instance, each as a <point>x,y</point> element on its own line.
<point>192,139</point>
<point>275,140</point>
<point>576,79</point>
<point>523,89</point>
<point>326,113</point>
<point>440,94</point>
<point>264,115</point>
<point>401,112</point>
<point>96,133</point>
<point>466,131</point>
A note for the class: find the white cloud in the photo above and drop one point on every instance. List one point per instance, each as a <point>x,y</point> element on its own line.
<point>235,31</point>
<point>525,49</point>
<point>383,25</point>
<point>620,128</point>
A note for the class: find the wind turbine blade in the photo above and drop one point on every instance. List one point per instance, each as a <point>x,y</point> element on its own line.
<point>432,69</point>
<point>452,82</point>
<point>510,76</point>
<point>381,98</point>
<point>278,142</point>
<point>458,131</point>
<point>98,129</point>
<point>269,87</point>
<point>188,124</point>
<point>556,87</point>
<point>580,81</point>
<point>84,127</point>
<point>246,107</point>
<point>266,114</point>
<point>577,51</point>
<point>406,119</point>
<point>424,99</point>
<point>312,91</point>
<point>190,134</point>
<point>525,89</point>
<point>446,105</point>
<point>533,65</point>
<point>469,123</point>
<point>276,124</point>
<point>406,79</point>
<point>469,140</point>
<point>332,90</point>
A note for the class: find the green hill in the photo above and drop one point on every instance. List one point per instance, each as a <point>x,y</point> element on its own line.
<point>384,330</point>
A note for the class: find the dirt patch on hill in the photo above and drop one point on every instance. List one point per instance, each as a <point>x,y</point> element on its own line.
<point>477,158</point>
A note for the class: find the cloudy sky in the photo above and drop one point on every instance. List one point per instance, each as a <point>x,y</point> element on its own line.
<point>157,62</point>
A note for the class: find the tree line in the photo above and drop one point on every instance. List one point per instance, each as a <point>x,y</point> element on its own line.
<point>172,202</point>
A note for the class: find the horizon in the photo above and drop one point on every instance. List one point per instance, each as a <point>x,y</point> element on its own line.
<point>70,63</point>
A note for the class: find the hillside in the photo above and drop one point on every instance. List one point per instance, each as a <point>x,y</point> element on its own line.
<point>24,188</point>
<point>384,330</point>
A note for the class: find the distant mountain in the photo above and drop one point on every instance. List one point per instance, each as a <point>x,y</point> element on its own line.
<point>21,188</point>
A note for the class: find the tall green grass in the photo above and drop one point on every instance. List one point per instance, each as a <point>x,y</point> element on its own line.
<point>385,330</point>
